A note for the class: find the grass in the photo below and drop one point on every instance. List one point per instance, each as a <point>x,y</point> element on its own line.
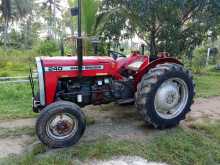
<point>4,133</point>
<point>16,62</point>
<point>208,129</point>
<point>208,84</point>
<point>16,101</point>
<point>198,146</point>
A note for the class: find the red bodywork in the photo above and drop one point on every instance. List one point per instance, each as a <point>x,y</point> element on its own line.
<point>112,68</point>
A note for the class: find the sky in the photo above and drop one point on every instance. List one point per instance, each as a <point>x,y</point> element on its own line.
<point>63,3</point>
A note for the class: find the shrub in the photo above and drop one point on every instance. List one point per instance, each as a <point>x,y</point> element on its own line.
<point>199,60</point>
<point>48,47</point>
<point>4,74</point>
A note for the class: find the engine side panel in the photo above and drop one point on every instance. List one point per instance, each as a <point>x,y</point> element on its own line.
<point>59,68</point>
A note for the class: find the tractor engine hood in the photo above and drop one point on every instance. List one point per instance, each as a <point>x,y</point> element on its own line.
<point>72,61</point>
<point>92,66</point>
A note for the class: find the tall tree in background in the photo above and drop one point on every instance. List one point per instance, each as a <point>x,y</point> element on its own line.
<point>89,15</point>
<point>51,6</point>
<point>90,9</point>
<point>7,16</point>
<point>14,10</point>
<point>173,26</point>
<point>25,12</point>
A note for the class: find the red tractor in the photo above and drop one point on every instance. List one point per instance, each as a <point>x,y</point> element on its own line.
<point>161,88</point>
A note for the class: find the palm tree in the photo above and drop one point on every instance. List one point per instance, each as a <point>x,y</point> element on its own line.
<point>89,12</point>
<point>6,16</point>
<point>13,10</point>
<point>51,6</point>
<point>24,11</point>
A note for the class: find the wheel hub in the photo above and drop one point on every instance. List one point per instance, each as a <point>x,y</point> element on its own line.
<point>171,98</point>
<point>62,126</point>
<point>167,96</point>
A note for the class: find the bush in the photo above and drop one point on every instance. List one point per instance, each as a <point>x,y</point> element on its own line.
<point>48,48</point>
<point>15,62</point>
<point>199,60</point>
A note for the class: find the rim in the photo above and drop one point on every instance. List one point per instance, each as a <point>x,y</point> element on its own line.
<point>62,126</point>
<point>171,98</point>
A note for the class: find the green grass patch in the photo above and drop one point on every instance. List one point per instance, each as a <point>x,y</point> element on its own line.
<point>15,101</point>
<point>16,62</point>
<point>208,85</point>
<point>209,128</point>
<point>4,133</point>
<point>177,146</point>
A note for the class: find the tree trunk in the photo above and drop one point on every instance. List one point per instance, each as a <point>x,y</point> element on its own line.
<point>5,34</point>
<point>153,46</point>
<point>28,35</point>
<point>54,20</point>
<point>50,22</point>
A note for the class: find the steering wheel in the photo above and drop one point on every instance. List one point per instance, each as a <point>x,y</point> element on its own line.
<point>116,55</point>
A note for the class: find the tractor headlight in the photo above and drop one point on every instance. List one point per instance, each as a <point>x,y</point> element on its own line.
<point>135,65</point>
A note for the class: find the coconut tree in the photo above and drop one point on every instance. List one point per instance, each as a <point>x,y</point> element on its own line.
<point>6,17</point>
<point>51,6</point>
<point>89,9</point>
<point>13,10</point>
<point>24,12</point>
<point>89,13</point>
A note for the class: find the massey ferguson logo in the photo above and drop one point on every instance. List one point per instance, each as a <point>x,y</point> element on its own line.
<point>73,68</point>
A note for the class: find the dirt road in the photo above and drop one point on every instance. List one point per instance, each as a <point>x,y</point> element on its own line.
<point>110,120</point>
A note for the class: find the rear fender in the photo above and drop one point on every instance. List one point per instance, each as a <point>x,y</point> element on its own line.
<point>147,67</point>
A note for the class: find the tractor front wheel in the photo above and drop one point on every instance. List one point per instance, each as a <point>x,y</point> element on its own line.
<point>165,95</point>
<point>60,124</point>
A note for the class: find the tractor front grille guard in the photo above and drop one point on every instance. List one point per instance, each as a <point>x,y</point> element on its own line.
<point>32,82</point>
<point>36,104</point>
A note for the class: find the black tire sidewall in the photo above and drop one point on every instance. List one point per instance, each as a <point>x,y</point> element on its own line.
<point>158,120</point>
<point>48,113</point>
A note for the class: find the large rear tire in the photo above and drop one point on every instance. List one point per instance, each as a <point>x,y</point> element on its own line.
<point>60,124</point>
<point>165,95</point>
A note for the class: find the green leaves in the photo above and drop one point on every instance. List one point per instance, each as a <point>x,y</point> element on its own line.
<point>172,26</point>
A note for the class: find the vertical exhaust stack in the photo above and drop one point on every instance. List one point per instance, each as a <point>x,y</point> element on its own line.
<point>78,12</point>
<point>79,40</point>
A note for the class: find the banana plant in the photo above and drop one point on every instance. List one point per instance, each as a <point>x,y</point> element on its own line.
<point>89,18</point>
<point>89,15</point>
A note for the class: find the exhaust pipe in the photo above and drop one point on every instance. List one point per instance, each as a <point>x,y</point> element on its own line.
<point>79,40</point>
<point>77,11</point>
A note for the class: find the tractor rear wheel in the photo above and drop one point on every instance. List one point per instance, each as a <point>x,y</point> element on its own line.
<point>165,95</point>
<point>60,124</point>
